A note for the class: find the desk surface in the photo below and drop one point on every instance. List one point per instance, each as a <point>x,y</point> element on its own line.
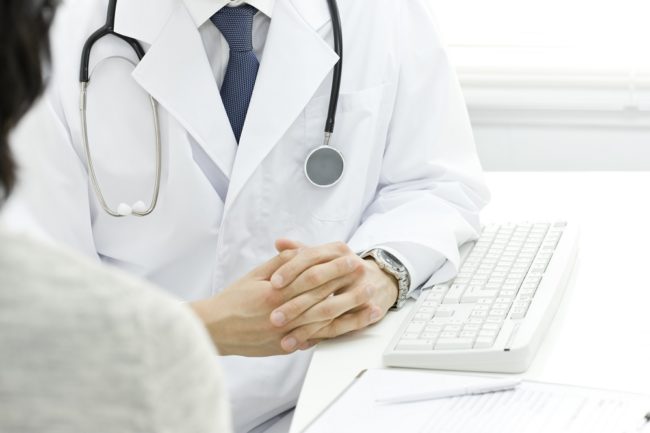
<point>601,334</point>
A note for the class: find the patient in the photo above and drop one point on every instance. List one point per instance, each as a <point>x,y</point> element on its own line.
<point>83,349</point>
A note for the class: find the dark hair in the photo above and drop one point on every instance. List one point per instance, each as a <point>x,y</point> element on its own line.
<point>24,47</point>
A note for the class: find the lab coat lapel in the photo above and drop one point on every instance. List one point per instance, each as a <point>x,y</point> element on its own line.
<point>177,73</point>
<point>296,61</point>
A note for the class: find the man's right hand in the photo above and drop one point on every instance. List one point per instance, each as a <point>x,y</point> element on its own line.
<point>237,319</point>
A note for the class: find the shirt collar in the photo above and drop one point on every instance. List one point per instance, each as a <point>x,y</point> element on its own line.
<point>202,10</point>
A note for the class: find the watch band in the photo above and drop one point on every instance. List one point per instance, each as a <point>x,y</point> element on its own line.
<point>393,266</point>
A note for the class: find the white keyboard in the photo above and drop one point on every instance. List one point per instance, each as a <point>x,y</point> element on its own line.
<point>493,316</point>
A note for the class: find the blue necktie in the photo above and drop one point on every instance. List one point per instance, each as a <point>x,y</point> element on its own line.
<point>236,26</point>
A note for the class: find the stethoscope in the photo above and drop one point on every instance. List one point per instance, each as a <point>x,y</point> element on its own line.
<point>324,166</point>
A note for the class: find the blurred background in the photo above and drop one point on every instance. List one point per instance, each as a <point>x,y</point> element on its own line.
<point>554,84</point>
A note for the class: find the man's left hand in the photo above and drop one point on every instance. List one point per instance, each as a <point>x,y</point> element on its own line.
<point>334,315</point>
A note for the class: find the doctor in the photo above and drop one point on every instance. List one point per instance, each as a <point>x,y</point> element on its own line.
<point>229,189</point>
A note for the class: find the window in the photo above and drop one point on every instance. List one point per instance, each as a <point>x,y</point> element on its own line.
<point>576,55</point>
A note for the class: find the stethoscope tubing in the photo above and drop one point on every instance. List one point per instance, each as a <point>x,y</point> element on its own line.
<point>337,28</point>
<point>84,78</point>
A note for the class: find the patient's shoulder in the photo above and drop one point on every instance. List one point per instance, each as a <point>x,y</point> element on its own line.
<point>41,282</point>
<point>77,335</point>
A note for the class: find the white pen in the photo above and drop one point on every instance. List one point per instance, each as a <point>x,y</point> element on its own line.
<point>459,391</point>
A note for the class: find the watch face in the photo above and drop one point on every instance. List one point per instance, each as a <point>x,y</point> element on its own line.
<point>390,259</point>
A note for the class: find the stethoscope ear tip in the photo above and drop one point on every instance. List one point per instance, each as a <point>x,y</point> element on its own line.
<point>139,207</point>
<point>124,209</point>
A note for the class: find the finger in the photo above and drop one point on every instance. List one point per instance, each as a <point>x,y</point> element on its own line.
<point>323,273</point>
<point>308,345</point>
<point>288,244</point>
<point>298,305</point>
<point>350,322</point>
<point>307,258</point>
<point>266,270</point>
<point>338,305</point>
<point>298,337</point>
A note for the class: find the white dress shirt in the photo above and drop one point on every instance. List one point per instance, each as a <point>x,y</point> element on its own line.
<point>416,259</point>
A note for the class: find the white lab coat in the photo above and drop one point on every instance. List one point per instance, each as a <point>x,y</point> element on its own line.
<point>412,172</point>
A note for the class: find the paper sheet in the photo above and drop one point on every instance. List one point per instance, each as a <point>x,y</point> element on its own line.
<point>531,408</point>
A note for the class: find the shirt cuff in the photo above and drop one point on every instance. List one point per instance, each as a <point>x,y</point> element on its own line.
<point>420,262</point>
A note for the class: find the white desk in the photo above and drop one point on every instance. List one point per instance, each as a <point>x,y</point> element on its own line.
<point>601,333</point>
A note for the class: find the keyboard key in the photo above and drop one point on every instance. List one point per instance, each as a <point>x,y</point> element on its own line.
<point>496,312</point>
<point>415,344</point>
<point>488,334</point>
<point>415,327</point>
<point>448,335</point>
<point>468,334</point>
<point>519,310</point>
<point>435,329</point>
<point>429,335</point>
<point>444,311</point>
<point>518,313</point>
<point>411,335</point>
<point>478,314</point>
<point>424,317</point>
<point>454,343</point>
<point>483,343</point>
<point>454,294</point>
<point>521,304</point>
<point>453,328</point>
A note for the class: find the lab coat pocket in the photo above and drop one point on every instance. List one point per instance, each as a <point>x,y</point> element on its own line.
<point>357,135</point>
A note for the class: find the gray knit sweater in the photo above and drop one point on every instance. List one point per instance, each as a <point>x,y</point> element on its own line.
<point>88,350</point>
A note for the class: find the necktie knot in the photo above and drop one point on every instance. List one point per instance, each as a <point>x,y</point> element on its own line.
<point>236,26</point>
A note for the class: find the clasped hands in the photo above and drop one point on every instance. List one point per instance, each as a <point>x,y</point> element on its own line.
<point>300,297</point>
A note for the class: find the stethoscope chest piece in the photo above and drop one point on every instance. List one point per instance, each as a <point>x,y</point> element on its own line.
<point>324,167</point>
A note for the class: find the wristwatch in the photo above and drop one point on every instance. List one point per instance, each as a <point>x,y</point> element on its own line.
<point>391,265</point>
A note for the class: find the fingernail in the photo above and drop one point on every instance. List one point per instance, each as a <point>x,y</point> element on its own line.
<point>370,290</point>
<point>352,264</point>
<point>305,346</point>
<point>277,280</point>
<point>289,344</point>
<point>278,318</point>
<point>375,315</point>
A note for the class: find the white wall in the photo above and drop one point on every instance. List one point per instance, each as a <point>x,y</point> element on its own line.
<point>541,126</point>
<point>540,148</point>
